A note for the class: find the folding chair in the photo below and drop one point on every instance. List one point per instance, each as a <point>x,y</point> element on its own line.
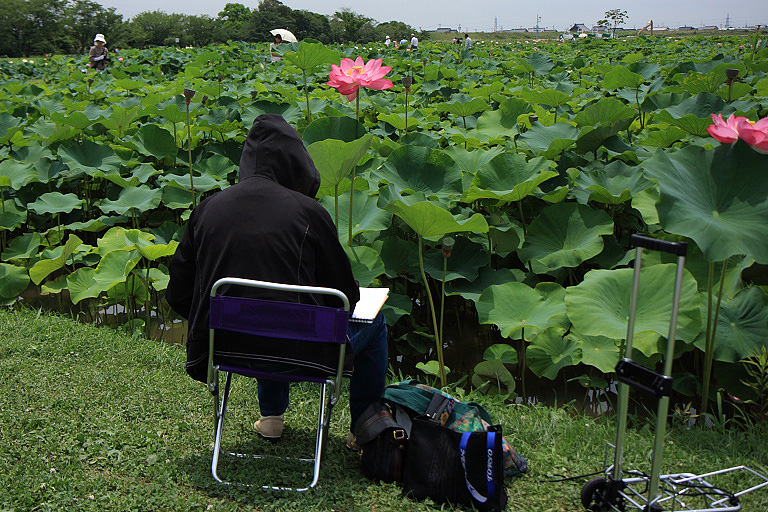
<point>276,320</point>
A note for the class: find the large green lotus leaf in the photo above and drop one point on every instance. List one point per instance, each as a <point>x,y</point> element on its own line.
<point>121,239</point>
<point>599,305</point>
<point>334,127</point>
<point>202,183</point>
<point>114,268</point>
<point>12,216</point>
<point>550,351</point>
<point>132,199</point>
<point>19,173</point>
<point>605,111</point>
<point>429,220</point>
<point>96,225</point>
<point>155,141</point>
<point>688,123</point>
<point>156,251</point>
<point>419,169</point>
<point>619,77</point>
<point>75,119</point>
<point>465,261</point>
<point>598,351</point>
<point>552,98</point>
<point>291,112</point>
<point>592,137</point>
<point>693,114</point>
<point>218,167</point>
<point>310,55</point>
<point>515,306</point>
<point>335,159</point>
<point>742,327</point>
<point>502,122</point>
<point>139,174</point>
<point>366,214</point>
<point>159,278</point>
<point>400,256</point>
<point>55,202</point>
<point>13,281</point>
<point>487,277</point>
<point>176,198</point>
<point>9,125</point>
<point>565,235</point>
<point>44,267</point>
<point>550,141</point>
<point>463,106</point>
<point>493,376</point>
<point>121,118</point>
<point>398,122</point>
<point>82,285</point>
<point>719,198</point>
<point>366,264</point>
<point>616,183</point>
<point>663,138</point>
<point>23,247</point>
<point>540,63</point>
<point>509,177</point>
<point>471,161</point>
<point>174,112</point>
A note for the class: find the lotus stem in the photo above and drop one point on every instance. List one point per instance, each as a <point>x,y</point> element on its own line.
<point>524,361</point>
<point>442,295</point>
<point>189,153</point>
<point>438,341</point>
<point>711,332</point>
<point>406,110</point>
<point>354,172</point>
<point>147,305</point>
<point>336,204</point>
<point>306,94</point>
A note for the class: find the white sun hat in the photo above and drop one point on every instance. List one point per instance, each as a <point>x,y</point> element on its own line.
<point>100,37</point>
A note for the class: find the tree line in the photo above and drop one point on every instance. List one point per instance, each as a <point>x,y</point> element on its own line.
<point>38,27</point>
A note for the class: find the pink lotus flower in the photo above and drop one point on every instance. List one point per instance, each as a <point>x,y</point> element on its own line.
<point>350,75</point>
<point>727,132</point>
<point>737,127</point>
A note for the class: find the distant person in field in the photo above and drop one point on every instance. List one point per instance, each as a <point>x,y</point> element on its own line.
<point>276,57</point>
<point>387,41</point>
<point>99,54</point>
<point>404,41</point>
<point>414,42</point>
<point>467,42</point>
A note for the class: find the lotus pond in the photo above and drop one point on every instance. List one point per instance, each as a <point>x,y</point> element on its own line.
<point>494,191</point>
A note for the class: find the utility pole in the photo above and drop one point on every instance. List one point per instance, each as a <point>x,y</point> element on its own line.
<point>538,19</point>
<point>728,20</point>
<point>495,24</point>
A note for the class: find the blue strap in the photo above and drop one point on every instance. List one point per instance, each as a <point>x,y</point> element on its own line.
<point>489,470</point>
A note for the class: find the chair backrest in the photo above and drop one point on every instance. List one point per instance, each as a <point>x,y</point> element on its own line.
<point>273,321</point>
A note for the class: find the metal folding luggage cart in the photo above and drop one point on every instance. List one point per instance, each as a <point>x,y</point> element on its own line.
<point>621,489</point>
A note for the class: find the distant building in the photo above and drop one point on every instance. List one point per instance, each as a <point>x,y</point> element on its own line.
<point>444,30</point>
<point>709,27</point>
<point>521,29</point>
<point>661,29</point>
<point>686,28</point>
<point>578,28</point>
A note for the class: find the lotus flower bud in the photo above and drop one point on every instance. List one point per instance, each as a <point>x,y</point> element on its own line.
<point>731,74</point>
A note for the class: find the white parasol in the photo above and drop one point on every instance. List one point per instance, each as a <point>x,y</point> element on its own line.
<point>287,35</point>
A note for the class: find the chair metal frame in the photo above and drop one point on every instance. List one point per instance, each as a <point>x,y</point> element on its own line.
<point>328,384</point>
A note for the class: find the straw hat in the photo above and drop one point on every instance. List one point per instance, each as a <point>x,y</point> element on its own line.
<point>100,37</point>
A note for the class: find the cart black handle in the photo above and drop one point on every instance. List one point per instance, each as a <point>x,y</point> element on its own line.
<point>678,248</point>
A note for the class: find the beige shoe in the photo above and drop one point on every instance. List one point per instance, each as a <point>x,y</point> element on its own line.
<point>270,427</point>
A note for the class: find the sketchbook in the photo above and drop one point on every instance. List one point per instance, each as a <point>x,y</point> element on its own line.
<point>370,303</point>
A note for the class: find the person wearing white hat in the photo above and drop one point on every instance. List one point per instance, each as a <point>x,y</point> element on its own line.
<point>99,54</point>
<point>387,41</point>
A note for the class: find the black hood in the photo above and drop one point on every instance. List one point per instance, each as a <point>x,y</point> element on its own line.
<point>275,151</point>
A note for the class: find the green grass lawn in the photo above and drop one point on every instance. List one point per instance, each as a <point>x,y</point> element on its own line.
<point>92,419</point>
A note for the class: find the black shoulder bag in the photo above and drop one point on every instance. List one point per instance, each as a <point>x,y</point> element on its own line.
<point>382,444</point>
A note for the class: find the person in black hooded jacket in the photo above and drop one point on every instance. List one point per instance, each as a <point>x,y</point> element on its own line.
<point>269,227</point>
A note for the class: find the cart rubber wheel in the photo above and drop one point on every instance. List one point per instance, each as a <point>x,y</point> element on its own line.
<point>594,495</point>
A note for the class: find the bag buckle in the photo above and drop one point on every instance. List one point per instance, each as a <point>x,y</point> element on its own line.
<point>399,435</point>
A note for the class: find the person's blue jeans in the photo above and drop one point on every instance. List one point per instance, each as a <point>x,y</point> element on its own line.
<point>368,343</point>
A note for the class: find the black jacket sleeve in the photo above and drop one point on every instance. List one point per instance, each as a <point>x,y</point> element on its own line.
<point>183,271</point>
<point>333,267</point>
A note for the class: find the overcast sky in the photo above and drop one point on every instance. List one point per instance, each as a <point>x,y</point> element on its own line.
<point>479,15</point>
